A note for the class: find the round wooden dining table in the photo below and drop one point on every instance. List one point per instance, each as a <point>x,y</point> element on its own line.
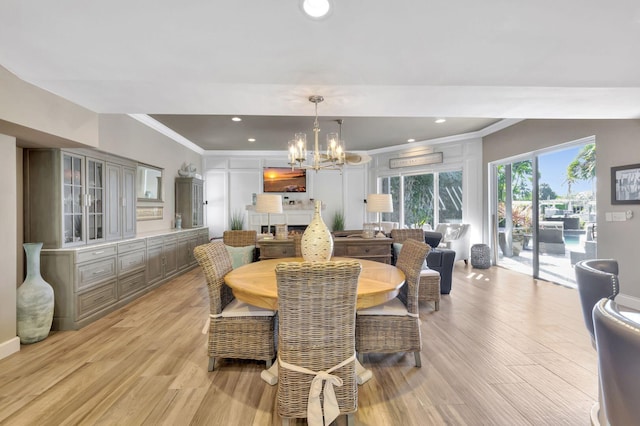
<point>255,283</point>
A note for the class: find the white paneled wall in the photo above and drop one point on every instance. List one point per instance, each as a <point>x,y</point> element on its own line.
<point>232,178</point>
<point>465,155</point>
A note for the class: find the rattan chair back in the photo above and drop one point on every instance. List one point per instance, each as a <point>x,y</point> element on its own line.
<point>216,263</point>
<point>401,235</point>
<point>429,288</point>
<point>239,238</point>
<point>316,309</point>
<point>410,262</point>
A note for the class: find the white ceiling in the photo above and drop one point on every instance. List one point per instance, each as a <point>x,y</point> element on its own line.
<point>370,59</point>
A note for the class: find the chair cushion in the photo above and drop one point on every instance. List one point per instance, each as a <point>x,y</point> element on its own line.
<point>240,255</point>
<point>396,251</point>
<point>429,273</point>
<point>393,307</point>
<point>237,308</point>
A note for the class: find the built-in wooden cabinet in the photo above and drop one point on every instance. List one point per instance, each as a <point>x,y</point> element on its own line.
<point>187,241</point>
<point>162,253</point>
<point>91,281</point>
<point>189,201</point>
<point>77,197</point>
<point>121,201</point>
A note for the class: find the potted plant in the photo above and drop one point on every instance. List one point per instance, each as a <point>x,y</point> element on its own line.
<point>237,220</point>
<point>338,221</point>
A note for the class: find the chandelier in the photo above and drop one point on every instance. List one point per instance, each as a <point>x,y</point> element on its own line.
<point>331,158</point>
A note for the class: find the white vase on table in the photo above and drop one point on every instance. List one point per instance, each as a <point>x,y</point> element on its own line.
<point>317,243</point>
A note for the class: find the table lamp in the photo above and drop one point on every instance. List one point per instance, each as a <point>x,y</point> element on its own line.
<point>380,203</point>
<point>268,203</point>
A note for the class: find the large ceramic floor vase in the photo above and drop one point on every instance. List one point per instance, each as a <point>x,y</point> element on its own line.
<point>317,244</point>
<point>35,300</point>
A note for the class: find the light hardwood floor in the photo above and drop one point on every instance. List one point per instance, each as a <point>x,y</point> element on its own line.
<point>504,349</point>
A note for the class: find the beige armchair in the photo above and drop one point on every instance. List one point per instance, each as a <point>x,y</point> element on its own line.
<point>455,236</point>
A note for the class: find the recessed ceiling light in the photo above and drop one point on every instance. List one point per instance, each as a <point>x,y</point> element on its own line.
<point>411,140</point>
<point>236,119</point>
<point>316,8</point>
<point>251,139</point>
<point>441,120</point>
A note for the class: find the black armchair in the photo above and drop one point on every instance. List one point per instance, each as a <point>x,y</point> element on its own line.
<point>440,260</point>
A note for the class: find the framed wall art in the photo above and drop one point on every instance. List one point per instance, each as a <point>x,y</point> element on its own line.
<point>625,184</point>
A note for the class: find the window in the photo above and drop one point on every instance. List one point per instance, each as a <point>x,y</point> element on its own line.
<point>415,198</point>
<point>450,191</point>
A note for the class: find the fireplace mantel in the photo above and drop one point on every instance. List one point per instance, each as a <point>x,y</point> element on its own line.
<point>294,214</point>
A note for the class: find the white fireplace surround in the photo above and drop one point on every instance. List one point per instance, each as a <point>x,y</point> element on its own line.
<point>294,214</point>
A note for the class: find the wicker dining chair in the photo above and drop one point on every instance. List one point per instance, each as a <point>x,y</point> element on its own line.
<point>236,329</point>
<point>239,238</point>
<point>429,288</point>
<point>316,311</point>
<point>395,325</point>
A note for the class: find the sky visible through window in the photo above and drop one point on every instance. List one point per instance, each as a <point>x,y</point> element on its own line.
<point>553,170</point>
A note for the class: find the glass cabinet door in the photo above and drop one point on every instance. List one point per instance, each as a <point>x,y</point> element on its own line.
<point>72,185</point>
<point>95,200</point>
<point>197,204</point>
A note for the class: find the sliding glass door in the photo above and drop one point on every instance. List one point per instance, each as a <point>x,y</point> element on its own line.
<point>513,214</point>
<point>543,211</point>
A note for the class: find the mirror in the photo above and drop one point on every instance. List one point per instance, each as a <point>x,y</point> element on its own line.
<point>149,186</point>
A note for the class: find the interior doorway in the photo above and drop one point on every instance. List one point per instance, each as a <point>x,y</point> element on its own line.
<point>543,208</point>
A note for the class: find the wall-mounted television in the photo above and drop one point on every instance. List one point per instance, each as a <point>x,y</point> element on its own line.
<point>283,179</point>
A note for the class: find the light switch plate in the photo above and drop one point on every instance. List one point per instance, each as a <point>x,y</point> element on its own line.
<point>619,216</point>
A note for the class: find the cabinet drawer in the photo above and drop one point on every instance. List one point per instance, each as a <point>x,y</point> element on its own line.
<point>96,299</point>
<point>368,250</point>
<point>170,240</point>
<point>131,245</point>
<point>131,284</point>
<point>155,241</point>
<point>131,261</point>
<point>339,250</point>
<point>95,253</point>
<point>277,251</point>
<point>91,273</point>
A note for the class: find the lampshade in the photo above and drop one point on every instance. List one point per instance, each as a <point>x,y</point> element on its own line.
<point>269,203</point>
<point>380,203</point>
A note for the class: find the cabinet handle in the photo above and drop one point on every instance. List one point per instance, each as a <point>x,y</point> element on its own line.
<point>366,250</point>
<point>95,253</point>
<point>98,271</point>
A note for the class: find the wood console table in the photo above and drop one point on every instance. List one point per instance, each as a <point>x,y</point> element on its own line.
<point>376,249</point>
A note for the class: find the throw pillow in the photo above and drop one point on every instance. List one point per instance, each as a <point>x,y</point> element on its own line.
<point>240,255</point>
<point>451,234</point>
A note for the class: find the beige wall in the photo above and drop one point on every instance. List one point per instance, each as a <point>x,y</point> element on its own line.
<point>8,250</point>
<point>617,143</point>
<point>124,136</point>
<point>40,117</point>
